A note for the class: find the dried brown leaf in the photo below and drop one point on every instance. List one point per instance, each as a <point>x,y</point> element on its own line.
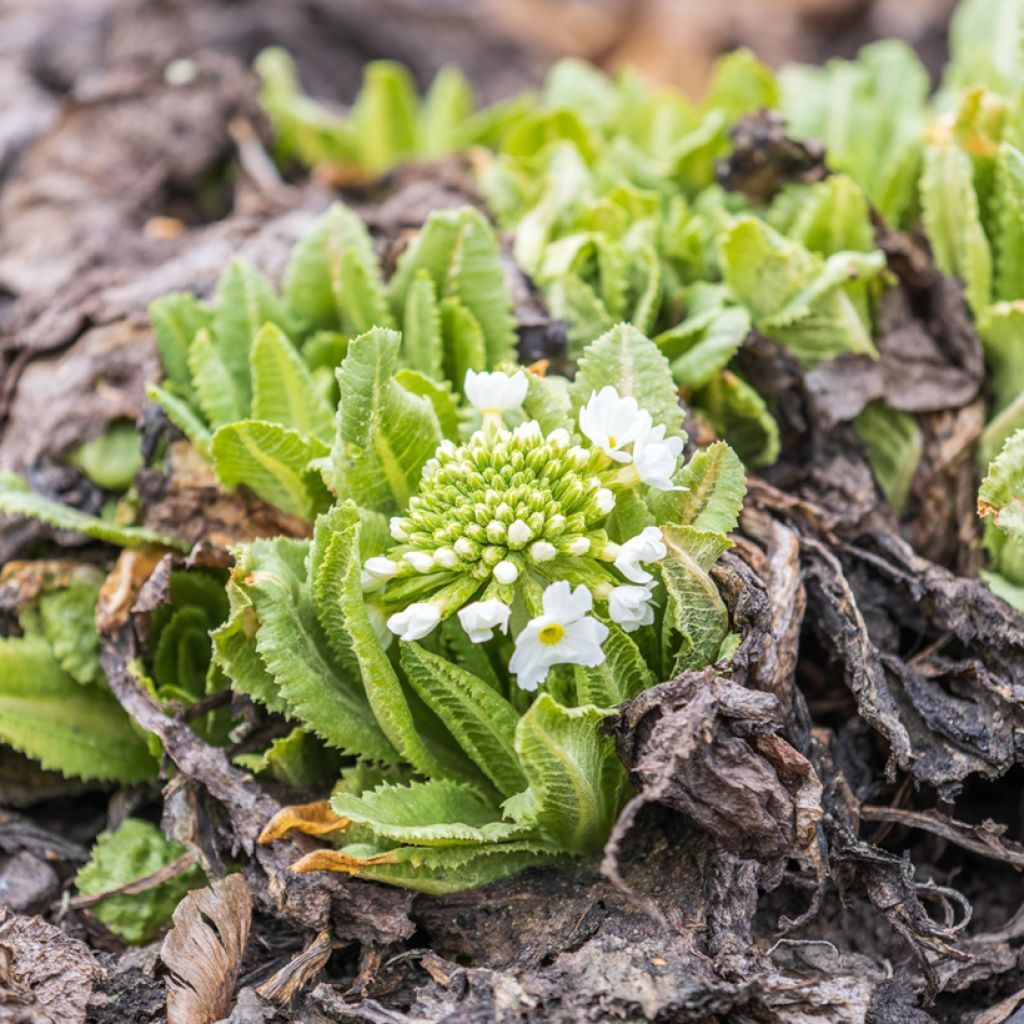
<point>204,951</point>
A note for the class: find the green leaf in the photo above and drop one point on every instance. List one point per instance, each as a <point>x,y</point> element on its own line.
<point>696,609</point>
<point>183,416</point>
<point>298,760</point>
<point>706,344</point>
<point>482,721</point>
<point>177,319</point>
<point>1009,239</point>
<point>633,365</point>
<point>715,483</point>
<point>547,401</point>
<point>894,446</point>
<point>421,327</point>
<point>985,45</point>
<point>320,693</point>
<point>739,414</point>
<point>383,689</point>
<point>439,394</point>
<point>834,217</point>
<point>217,392</point>
<point>440,870</point>
<point>434,813</point>
<point>68,620</point>
<point>17,500</point>
<point>73,729</point>
<point>1001,496</point>
<point>385,434</point>
<point>245,302</point>
<point>459,251</point>
<point>273,462</point>
<point>576,780</point>
<point>623,674</point>
<point>112,459</point>
<point>135,850</point>
<point>573,300</point>
<point>283,390</point>
<point>333,280</point>
<point>384,116</point>
<point>953,221</point>
<point>447,107</point>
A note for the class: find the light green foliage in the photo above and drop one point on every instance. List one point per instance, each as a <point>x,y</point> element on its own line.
<point>1001,503</point>
<point>894,446</point>
<point>256,383</point>
<point>135,850</point>
<point>54,702</point>
<point>112,459</point>
<point>298,760</point>
<point>17,500</point>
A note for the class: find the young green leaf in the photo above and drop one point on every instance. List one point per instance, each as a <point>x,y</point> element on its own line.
<point>177,319</point>
<point>894,444</point>
<point>714,483</point>
<point>1001,496</point>
<point>217,392</point>
<point>421,327</point>
<point>384,433</point>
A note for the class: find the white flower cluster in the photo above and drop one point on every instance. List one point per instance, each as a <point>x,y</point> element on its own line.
<point>514,502</point>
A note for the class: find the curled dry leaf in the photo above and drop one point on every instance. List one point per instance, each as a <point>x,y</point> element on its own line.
<point>204,951</point>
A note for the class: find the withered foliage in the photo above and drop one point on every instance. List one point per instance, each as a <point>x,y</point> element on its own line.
<point>827,829</point>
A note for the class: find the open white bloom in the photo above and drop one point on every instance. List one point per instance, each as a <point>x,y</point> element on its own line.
<point>564,635</point>
<point>646,546</point>
<point>416,621</point>
<point>495,392</point>
<point>612,422</point>
<point>630,606</point>
<point>655,458</point>
<point>482,618</point>
<point>376,572</point>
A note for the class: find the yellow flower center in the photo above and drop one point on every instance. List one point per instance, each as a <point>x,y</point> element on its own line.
<point>551,634</point>
<point>612,442</point>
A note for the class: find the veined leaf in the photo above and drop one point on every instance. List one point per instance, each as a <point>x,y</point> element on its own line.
<point>382,686</point>
<point>576,779</point>
<point>633,365</point>
<point>182,415</point>
<point>217,391</point>
<point>273,462</point>
<point>333,280</point>
<point>706,349</point>
<point>177,319</point>
<point>421,327</point>
<point>464,343</point>
<point>435,813</point>
<point>298,760</point>
<point>1009,240</point>
<point>292,645</point>
<point>73,729</point>
<point>384,433</point>
<point>547,401</point>
<point>715,483</point>
<point>459,251</point>
<point>738,413</point>
<point>111,460</point>
<point>622,674</point>
<point>17,500</point>
<point>432,870</point>
<point>573,300</point>
<point>446,109</point>
<point>245,302</point>
<point>68,620</point>
<point>894,445</point>
<point>439,393</point>
<point>1001,496</point>
<point>283,390</point>
<point>482,721</point>
<point>384,116</point>
<point>696,609</point>
<point>953,221</point>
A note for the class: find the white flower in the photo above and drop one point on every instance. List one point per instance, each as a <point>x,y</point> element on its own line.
<point>416,621</point>
<point>542,551</point>
<point>646,546</point>
<point>506,571</point>
<point>376,572</point>
<point>630,606</point>
<point>559,437</point>
<point>446,558</point>
<point>518,534</point>
<point>397,529</point>
<point>605,500</point>
<point>655,458</point>
<point>563,635</point>
<point>612,422</point>
<point>528,431</point>
<point>495,392</point>
<point>482,618</point>
<point>419,560</point>
<point>578,546</point>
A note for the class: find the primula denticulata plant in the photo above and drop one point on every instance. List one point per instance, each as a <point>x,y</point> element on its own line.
<point>470,611</point>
